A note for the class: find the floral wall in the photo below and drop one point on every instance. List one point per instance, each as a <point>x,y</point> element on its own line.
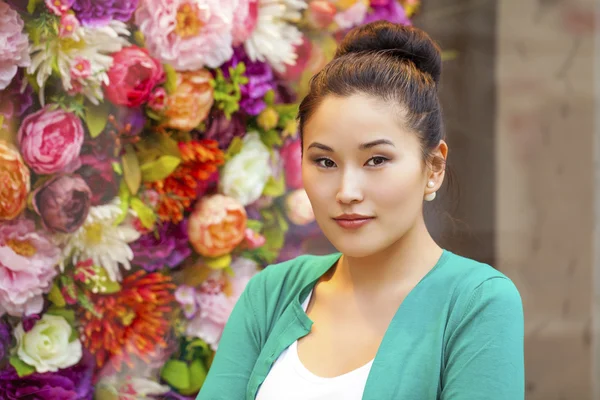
<point>149,167</point>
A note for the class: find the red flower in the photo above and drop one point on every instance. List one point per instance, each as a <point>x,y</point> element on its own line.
<point>132,77</point>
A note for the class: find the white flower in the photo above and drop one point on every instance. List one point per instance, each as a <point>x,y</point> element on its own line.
<point>245,175</point>
<point>275,36</point>
<point>46,346</point>
<point>131,388</point>
<point>353,16</point>
<point>94,44</point>
<point>101,240</point>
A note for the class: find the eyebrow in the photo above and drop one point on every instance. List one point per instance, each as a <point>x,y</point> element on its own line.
<point>363,146</point>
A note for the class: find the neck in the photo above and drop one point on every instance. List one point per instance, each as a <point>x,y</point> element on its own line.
<point>406,261</point>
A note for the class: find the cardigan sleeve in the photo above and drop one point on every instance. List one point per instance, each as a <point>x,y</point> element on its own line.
<point>484,356</point>
<point>238,351</point>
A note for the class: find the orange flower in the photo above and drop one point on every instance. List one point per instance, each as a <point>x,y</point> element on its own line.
<point>133,321</point>
<point>14,181</point>
<point>201,159</point>
<point>217,225</point>
<point>192,100</point>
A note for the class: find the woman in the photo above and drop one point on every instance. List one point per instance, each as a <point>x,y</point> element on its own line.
<point>394,316</point>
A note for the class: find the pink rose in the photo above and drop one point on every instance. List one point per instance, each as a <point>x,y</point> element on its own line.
<point>27,267</point>
<point>321,13</point>
<point>298,208</point>
<point>132,77</point>
<point>100,177</point>
<point>50,141</point>
<point>291,153</point>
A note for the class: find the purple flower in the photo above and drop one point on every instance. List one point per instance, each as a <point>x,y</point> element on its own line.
<point>73,383</point>
<point>134,117</point>
<point>260,81</point>
<point>29,321</point>
<point>223,130</point>
<point>5,339</point>
<point>168,246</point>
<point>100,12</point>
<point>389,10</point>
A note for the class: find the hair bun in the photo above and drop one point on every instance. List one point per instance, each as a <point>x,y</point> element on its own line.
<point>405,42</point>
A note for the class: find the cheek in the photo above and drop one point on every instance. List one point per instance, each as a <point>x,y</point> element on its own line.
<point>398,190</point>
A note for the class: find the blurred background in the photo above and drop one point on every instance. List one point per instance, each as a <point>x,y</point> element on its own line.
<point>520,95</point>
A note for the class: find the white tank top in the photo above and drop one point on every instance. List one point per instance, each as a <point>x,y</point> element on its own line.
<point>288,379</point>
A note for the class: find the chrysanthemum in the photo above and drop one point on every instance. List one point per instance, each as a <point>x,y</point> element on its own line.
<point>93,44</point>
<point>101,240</point>
<point>274,36</point>
<point>131,322</point>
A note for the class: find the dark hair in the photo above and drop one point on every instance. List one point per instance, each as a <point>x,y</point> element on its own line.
<point>398,64</point>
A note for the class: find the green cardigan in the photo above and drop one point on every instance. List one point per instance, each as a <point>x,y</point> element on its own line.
<point>458,335</point>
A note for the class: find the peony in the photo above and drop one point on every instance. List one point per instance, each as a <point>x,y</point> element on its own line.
<point>50,140</point>
<point>132,77</point>
<point>191,102</point>
<point>100,12</point>
<point>73,383</point>
<point>298,208</point>
<point>223,129</point>
<point>100,177</point>
<point>245,175</point>
<point>260,81</point>
<point>63,203</point>
<point>14,176</point>
<point>27,267</point>
<point>217,225</point>
<point>14,45</point>
<point>291,153</point>
<point>48,346</point>
<point>166,247</point>
<point>245,17</point>
<point>188,34</point>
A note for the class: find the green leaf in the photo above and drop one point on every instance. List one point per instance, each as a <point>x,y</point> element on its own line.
<point>270,97</point>
<point>159,169</point>
<point>218,262</point>
<point>56,297</point>
<point>117,168</point>
<point>85,302</point>
<point>106,392</point>
<point>31,5</point>
<point>168,145</point>
<point>22,368</point>
<point>275,187</point>
<point>145,214</point>
<point>177,374</point>
<point>271,138</point>
<point>234,147</point>
<point>131,169</point>
<point>1,120</point>
<point>197,373</point>
<point>67,314</point>
<point>171,82</point>
<point>125,197</point>
<point>254,225</point>
<point>96,118</point>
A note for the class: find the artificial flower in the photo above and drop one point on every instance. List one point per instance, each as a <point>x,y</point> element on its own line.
<point>389,10</point>
<point>88,43</point>
<point>131,322</point>
<point>131,387</point>
<point>68,26</point>
<point>73,383</point>
<point>215,305</point>
<point>291,154</point>
<point>48,346</point>
<point>254,240</point>
<point>29,321</point>
<point>274,37</point>
<point>223,129</point>
<point>27,267</point>
<point>15,179</point>
<point>245,18</point>
<point>245,175</point>
<point>260,81</point>
<point>50,140</point>
<point>101,12</point>
<point>14,101</point>
<point>166,247</point>
<point>298,208</point>
<point>63,203</point>
<point>14,45</point>
<point>217,225</point>
<point>191,102</point>
<point>188,34</point>
<point>320,13</point>
<point>58,7</point>
<point>186,297</point>
<point>158,99</point>
<point>102,240</point>
<point>100,177</point>
<point>5,338</point>
<point>353,16</point>
<point>197,173</point>
<point>132,77</point>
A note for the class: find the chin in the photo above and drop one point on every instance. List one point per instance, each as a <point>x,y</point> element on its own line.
<point>356,245</point>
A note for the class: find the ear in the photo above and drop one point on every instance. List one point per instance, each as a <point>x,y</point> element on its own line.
<point>436,169</point>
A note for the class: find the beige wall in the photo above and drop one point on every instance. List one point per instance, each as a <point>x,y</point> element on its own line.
<point>545,186</point>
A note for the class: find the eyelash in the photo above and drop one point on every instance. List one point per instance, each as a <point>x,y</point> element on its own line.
<point>318,161</point>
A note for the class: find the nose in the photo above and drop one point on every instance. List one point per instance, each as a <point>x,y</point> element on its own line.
<point>350,189</point>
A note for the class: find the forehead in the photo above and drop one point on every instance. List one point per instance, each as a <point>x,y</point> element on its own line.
<point>354,118</point>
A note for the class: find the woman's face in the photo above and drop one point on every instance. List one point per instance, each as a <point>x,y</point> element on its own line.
<point>363,173</point>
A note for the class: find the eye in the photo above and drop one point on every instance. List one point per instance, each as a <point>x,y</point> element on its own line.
<point>377,161</point>
<point>325,163</point>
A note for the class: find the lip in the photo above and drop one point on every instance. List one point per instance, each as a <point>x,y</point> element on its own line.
<point>352,221</point>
